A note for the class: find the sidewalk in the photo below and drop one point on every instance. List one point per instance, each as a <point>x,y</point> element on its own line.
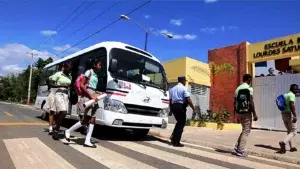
<point>260,143</point>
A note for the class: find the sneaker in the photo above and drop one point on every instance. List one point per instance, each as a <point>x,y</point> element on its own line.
<point>293,149</point>
<point>282,147</point>
<point>236,148</point>
<point>55,135</point>
<point>50,132</point>
<point>242,154</point>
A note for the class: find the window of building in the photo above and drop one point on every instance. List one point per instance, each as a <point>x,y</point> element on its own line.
<point>197,89</point>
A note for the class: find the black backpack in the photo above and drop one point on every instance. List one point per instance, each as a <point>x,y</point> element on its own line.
<point>243,101</point>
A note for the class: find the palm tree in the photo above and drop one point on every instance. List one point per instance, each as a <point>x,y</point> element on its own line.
<point>215,69</point>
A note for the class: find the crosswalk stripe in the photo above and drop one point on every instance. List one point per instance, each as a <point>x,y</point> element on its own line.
<point>172,158</point>
<point>31,153</point>
<point>109,158</point>
<point>220,157</point>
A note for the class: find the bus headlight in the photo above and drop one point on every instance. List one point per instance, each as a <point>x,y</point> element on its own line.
<point>164,112</point>
<point>114,106</point>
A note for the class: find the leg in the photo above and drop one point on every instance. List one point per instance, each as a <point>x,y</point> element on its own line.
<point>62,105</point>
<point>292,131</point>
<point>51,119</point>
<point>176,115</point>
<point>286,117</point>
<point>246,121</point>
<point>181,124</point>
<point>59,121</point>
<point>90,118</point>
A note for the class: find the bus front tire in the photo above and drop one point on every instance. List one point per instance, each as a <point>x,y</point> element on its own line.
<point>140,133</point>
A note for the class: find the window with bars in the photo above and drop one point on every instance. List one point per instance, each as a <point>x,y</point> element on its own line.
<point>197,89</point>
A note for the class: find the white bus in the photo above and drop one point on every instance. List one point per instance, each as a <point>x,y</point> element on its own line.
<point>134,80</point>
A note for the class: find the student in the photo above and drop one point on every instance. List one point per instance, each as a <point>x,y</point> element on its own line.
<point>244,106</point>
<point>62,83</point>
<point>90,112</point>
<point>51,101</point>
<point>289,118</point>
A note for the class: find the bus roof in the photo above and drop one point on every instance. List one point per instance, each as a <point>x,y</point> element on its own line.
<point>108,44</point>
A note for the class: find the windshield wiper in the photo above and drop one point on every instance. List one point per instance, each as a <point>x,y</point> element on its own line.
<point>141,85</point>
<point>157,86</point>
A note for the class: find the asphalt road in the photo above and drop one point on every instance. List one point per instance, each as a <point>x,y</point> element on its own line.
<point>26,144</point>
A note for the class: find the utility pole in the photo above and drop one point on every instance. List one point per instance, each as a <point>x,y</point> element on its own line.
<point>30,76</point>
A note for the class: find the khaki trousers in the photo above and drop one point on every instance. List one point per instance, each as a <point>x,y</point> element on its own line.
<point>246,122</point>
<point>291,128</point>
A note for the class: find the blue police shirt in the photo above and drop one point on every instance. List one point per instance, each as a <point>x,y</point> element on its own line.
<point>179,93</point>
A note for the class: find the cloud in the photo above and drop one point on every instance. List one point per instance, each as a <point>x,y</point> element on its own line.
<point>210,1</point>
<point>48,32</point>
<point>14,57</point>
<point>179,36</point>
<point>14,68</point>
<point>176,22</point>
<point>212,30</point>
<point>59,49</point>
<point>147,16</point>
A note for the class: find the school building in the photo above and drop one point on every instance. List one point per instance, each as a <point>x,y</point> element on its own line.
<point>198,80</point>
<point>285,52</point>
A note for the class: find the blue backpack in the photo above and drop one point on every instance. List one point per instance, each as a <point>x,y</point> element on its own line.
<point>280,102</point>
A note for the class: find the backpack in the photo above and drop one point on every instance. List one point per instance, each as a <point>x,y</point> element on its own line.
<point>243,101</point>
<point>280,102</point>
<point>77,84</point>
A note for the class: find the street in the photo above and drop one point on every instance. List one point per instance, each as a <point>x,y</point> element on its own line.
<point>26,144</point>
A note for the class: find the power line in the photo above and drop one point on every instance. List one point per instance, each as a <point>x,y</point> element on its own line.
<point>135,9</point>
<point>100,14</point>
<point>46,39</point>
<point>77,15</point>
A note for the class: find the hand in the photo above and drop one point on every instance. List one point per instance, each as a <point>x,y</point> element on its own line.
<point>94,98</point>
<point>294,120</point>
<point>99,93</point>
<point>255,118</point>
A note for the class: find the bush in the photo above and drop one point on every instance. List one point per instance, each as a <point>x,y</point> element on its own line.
<point>221,117</point>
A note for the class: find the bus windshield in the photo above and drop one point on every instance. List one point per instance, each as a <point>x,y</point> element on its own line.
<point>136,68</point>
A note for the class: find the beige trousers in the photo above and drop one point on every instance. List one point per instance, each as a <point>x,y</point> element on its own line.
<point>246,122</point>
<point>291,128</point>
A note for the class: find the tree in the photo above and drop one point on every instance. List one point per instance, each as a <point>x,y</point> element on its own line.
<point>14,86</point>
<point>214,71</point>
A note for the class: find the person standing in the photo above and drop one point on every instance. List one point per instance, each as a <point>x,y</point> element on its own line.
<point>62,83</point>
<point>179,100</point>
<point>51,100</point>
<point>89,113</point>
<point>289,118</point>
<point>244,106</point>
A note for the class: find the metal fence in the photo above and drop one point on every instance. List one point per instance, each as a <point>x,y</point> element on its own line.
<point>266,90</point>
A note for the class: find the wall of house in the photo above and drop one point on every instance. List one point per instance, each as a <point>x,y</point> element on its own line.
<point>223,85</point>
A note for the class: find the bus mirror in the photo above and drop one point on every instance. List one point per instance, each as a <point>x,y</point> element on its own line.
<point>113,65</point>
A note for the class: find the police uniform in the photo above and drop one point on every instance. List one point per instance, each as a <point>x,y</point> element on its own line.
<point>178,97</point>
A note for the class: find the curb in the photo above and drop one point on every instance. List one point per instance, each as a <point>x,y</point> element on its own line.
<point>230,149</point>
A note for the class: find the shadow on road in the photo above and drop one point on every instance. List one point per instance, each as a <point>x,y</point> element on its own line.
<point>267,147</point>
<point>105,133</point>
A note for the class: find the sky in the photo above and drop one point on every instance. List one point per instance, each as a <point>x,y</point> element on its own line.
<point>197,26</point>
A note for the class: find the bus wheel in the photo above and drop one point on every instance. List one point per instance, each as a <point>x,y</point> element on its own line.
<point>140,133</point>
<point>44,115</point>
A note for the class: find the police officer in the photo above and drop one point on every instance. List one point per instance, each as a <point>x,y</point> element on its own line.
<point>179,100</point>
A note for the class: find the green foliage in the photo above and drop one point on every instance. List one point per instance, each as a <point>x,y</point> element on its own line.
<point>14,87</point>
<point>221,117</point>
<point>216,69</point>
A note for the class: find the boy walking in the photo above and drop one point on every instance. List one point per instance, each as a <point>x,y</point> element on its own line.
<point>244,106</point>
<point>289,118</point>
